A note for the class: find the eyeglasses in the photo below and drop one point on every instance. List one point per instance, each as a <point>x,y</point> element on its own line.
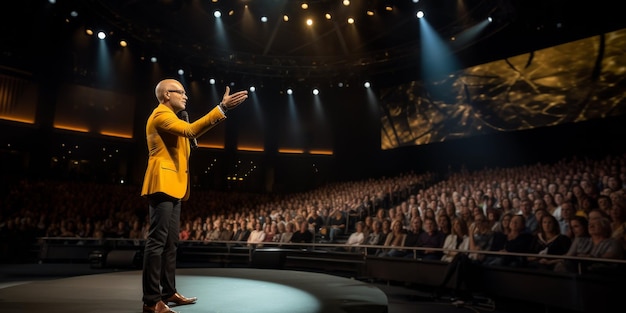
<point>181,92</point>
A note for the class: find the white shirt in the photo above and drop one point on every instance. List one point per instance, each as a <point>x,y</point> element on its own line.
<point>355,238</point>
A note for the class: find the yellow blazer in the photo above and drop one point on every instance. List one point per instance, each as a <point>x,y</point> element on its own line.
<point>169,149</point>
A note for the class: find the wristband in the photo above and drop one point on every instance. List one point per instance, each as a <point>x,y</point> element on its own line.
<point>222,107</point>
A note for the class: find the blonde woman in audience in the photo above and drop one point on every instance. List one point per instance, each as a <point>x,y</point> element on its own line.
<point>286,235</point>
<point>280,229</point>
<point>394,240</point>
<point>458,239</point>
<point>599,244</point>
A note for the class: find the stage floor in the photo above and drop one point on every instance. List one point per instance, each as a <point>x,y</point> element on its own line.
<point>30,288</point>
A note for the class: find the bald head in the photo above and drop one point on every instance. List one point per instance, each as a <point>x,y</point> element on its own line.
<point>163,86</point>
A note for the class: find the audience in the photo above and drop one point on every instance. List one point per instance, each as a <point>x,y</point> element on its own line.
<point>578,193</point>
<point>599,244</point>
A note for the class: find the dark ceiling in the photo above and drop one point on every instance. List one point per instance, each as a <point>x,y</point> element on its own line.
<point>383,47</point>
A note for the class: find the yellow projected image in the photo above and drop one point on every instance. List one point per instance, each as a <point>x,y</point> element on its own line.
<point>568,83</point>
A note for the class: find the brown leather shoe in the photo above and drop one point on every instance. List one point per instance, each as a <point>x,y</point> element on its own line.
<point>180,299</point>
<point>159,307</point>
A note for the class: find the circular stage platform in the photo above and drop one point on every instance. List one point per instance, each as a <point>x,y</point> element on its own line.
<point>223,290</point>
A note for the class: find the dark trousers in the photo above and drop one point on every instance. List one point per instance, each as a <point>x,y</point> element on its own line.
<point>159,261</point>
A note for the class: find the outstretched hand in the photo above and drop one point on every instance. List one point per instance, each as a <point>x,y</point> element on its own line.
<point>229,101</point>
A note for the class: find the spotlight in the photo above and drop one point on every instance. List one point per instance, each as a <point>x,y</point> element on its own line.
<point>420,14</point>
<point>490,19</point>
<point>102,35</point>
<point>123,43</point>
<point>153,59</point>
<point>264,19</point>
<point>252,89</point>
<point>181,72</point>
<point>289,91</point>
<point>217,14</point>
<point>367,85</point>
<point>212,81</point>
<point>316,91</point>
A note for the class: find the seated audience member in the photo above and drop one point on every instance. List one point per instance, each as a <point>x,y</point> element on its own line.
<point>280,229</point>
<point>458,239</point>
<point>355,239</point>
<point>481,238</point>
<point>185,232</point>
<point>227,233</point>
<point>539,213</point>
<point>579,226</point>
<point>411,238</point>
<point>315,221</point>
<point>517,241</point>
<point>270,230</point>
<point>288,233</point>
<point>257,236</point>
<point>218,231</point>
<point>367,225</point>
<point>394,241</point>
<point>444,224</point>
<point>566,213</point>
<point>386,227</point>
<point>242,233</point>
<point>337,226</point>
<point>375,237</point>
<point>526,210</point>
<point>502,225</point>
<point>599,244</point>
<point>431,237</point>
<point>303,235</point>
<point>618,222</point>
<point>549,241</point>
<point>597,213</point>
